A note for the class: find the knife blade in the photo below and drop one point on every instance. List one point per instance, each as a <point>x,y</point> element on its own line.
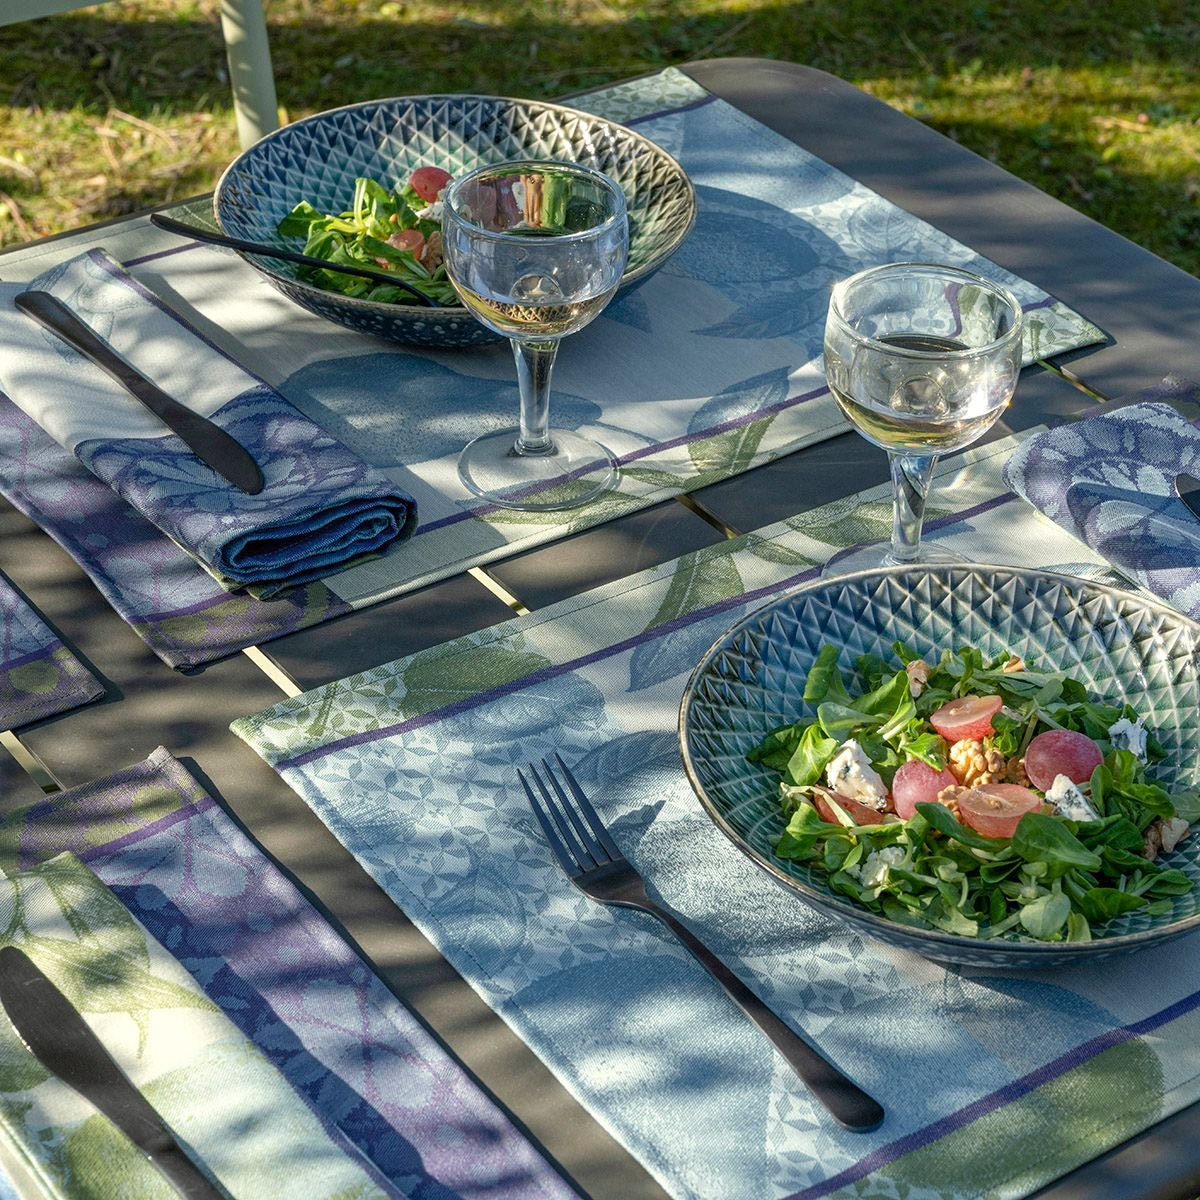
<point>1187,488</point>
<point>209,442</point>
<point>63,1042</point>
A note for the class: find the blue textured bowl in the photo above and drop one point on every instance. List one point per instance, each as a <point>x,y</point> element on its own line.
<point>318,158</point>
<point>1120,645</point>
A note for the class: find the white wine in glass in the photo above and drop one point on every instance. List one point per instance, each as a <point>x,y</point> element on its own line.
<point>922,359</point>
<point>535,250</point>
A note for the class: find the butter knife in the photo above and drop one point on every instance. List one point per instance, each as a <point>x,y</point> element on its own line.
<point>209,442</point>
<point>1187,488</point>
<point>63,1042</point>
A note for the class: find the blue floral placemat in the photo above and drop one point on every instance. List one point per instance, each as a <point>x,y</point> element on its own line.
<point>39,676</point>
<point>993,1083</point>
<point>373,1079</point>
<point>710,368</point>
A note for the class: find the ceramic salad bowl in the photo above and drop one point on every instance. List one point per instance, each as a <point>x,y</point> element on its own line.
<point>1122,647</point>
<point>318,159</point>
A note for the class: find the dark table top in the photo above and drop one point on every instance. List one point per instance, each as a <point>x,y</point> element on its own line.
<point>1150,311</point>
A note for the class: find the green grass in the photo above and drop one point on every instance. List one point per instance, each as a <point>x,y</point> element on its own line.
<point>112,109</point>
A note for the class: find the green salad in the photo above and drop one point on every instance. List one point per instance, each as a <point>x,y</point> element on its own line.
<point>977,796</point>
<point>397,229</point>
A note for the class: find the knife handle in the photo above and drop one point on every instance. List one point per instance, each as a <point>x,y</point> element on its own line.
<point>61,1040</point>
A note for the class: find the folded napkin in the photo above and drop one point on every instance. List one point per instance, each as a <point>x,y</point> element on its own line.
<point>322,508</point>
<point>226,1104</point>
<point>1110,481</point>
<point>39,676</point>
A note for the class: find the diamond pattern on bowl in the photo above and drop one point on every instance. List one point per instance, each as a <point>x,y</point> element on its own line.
<point>318,158</point>
<point>1121,646</point>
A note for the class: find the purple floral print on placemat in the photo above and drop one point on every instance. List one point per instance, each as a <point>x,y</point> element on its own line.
<point>39,676</point>
<point>362,1061</point>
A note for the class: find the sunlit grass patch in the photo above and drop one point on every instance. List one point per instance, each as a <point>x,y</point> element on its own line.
<point>114,108</point>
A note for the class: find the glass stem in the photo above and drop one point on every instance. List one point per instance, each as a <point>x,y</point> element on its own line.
<point>911,476</point>
<point>535,362</point>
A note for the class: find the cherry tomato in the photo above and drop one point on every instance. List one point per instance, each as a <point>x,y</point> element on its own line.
<point>994,809</point>
<point>966,717</point>
<point>428,181</point>
<point>860,814</point>
<point>1061,752</point>
<point>408,239</point>
<point>916,783</point>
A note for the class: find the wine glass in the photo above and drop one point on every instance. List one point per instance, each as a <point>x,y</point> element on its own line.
<point>535,250</point>
<point>922,359</point>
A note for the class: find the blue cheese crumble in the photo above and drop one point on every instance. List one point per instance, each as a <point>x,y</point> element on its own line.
<point>850,773</point>
<point>1069,801</point>
<point>1129,735</point>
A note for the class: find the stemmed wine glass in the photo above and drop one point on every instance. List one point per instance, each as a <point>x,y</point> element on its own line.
<point>922,359</point>
<point>535,250</point>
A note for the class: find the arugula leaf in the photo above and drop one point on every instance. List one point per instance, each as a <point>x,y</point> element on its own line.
<point>1046,916</point>
<point>1006,737</point>
<point>1040,837</point>
<point>945,822</point>
<point>778,746</point>
<point>824,681</point>
<point>803,832</point>
<point>811,756</point>
<point>1187,805</point>
<point>1104,903</point>
<point>1170,882</point>
<point>929,747</point>
<point>944,915</point>
<point>841,720</point>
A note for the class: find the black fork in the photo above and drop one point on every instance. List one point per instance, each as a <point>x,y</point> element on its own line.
<point>595,865</point>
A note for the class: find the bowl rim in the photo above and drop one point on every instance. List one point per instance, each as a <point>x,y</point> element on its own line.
<point>455,312</point>
<point>942,945</point>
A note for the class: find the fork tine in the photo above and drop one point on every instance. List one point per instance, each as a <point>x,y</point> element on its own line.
<point>585,807</point>
<point>569,818</point>
<point>572,857</point>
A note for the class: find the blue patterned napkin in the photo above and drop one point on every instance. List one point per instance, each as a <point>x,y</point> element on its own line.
<point>374,1079</point>
<point>39,676</point>
<point>1110,481</point>
<point>322,508</point>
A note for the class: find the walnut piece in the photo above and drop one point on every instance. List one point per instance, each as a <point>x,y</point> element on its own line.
<point>1163,835</point>
<point>972,765</point>
<point>1013,665</point>
<point>918,676</point>
<point>1015,772</point>
<point>949,796</point>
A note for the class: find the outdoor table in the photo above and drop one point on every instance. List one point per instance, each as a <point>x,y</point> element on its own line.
<point>1150,310</point>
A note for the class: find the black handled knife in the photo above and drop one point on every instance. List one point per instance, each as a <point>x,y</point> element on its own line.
<point>209,442</point>
<point>62,1041</point>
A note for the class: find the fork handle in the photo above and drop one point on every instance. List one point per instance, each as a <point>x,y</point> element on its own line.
<point>847,1103</point>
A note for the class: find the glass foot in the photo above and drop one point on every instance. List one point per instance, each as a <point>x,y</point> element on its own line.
<point>879,554</point>
<point>573,471</point>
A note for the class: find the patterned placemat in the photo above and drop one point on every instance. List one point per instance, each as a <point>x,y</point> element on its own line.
<point>993,1084</point>
<point>710,368</point>
<point>202,1075</point>
<point>39,676</point>
<point>368,1070</point>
